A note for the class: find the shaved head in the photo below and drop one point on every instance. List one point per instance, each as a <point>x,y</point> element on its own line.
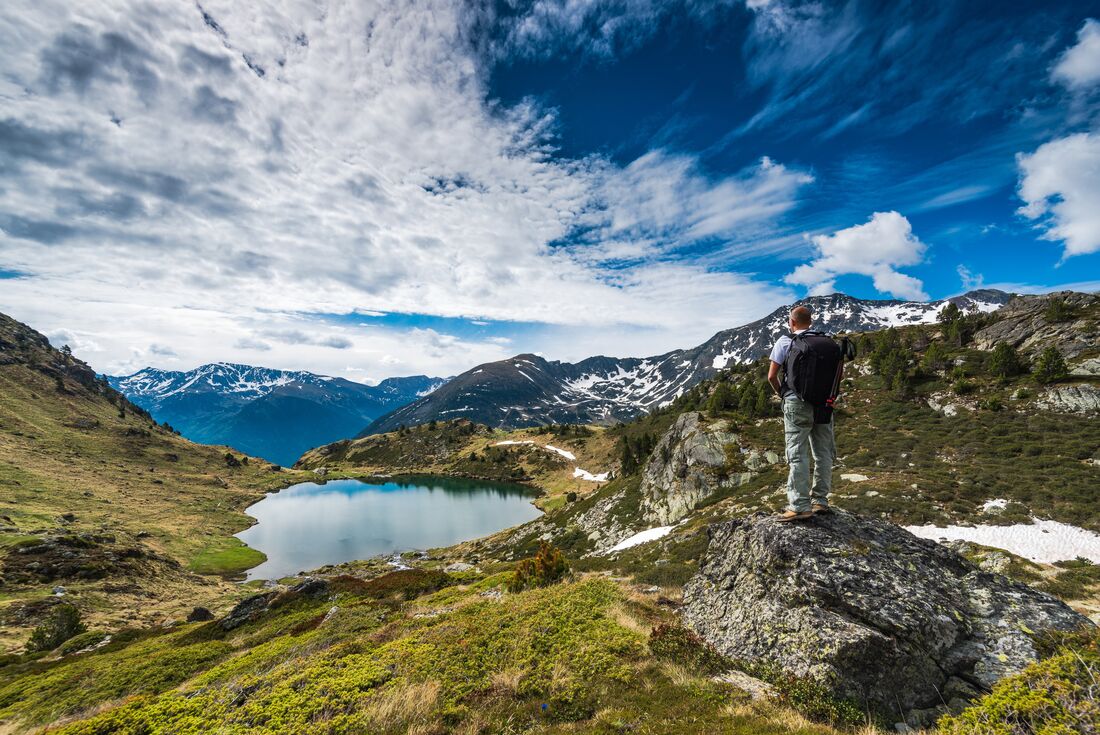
<point>800,316</point>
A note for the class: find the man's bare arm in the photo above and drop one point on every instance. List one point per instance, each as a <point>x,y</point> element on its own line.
<point>773,377</point>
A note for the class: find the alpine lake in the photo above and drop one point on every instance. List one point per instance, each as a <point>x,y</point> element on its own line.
<point>309,525</point>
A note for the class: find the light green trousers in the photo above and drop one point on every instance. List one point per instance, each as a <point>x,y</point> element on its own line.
<point>804,438</point>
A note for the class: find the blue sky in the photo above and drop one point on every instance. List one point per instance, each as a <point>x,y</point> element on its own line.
<point>382,188</point>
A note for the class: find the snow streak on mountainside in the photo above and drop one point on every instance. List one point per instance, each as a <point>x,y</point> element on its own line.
<point>274,414</point>
<point>528,390</point>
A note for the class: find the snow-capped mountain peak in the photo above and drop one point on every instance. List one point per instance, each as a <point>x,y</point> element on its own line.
<point>527,390</point>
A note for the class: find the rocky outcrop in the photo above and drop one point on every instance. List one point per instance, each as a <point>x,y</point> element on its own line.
<point>689,464</point>
<point>897,623</point>
<point>1083,399</point>
<point>1087,368</point>
<point>1028,324</point>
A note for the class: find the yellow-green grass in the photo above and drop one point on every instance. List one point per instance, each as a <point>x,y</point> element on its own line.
<point>570,658</point>
<point>121,476</point>
<point>227,556</point>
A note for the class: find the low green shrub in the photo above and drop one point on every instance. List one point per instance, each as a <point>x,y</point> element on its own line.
<point>82,641</point>
<point>62,624</point>
<point>963,387</point>
<point>547,567</point>
<point>675,643</point>
<point>1056,696</point>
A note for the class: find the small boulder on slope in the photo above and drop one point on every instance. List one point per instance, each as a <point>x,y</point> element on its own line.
<point>897,623</point>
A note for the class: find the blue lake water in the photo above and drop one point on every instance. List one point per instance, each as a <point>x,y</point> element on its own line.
<point>306,526</point>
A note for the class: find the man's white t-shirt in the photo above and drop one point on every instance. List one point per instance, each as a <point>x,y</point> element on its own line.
<point>782,347</point>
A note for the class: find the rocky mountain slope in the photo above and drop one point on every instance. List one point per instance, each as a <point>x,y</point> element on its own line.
<point>274,414</point>
<point>102,507</point>
<point>528,390</point>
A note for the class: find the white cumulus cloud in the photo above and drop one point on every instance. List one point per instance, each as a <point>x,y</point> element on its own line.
<point>1079,67</point>
<point>876,248</point>
<point>1060,187</point>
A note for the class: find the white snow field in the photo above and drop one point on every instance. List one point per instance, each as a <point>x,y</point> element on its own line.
<point>1042,541</point>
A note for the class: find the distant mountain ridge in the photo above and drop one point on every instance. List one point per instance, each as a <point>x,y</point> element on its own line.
<point>528,390</point>
<point>269,413</point>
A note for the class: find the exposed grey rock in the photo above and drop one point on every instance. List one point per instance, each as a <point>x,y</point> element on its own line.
<point>688,465</point>
<point>1024,324</point>
<point>1086,368</point>
<point>1083,399</point>
<point>458,567</point>
<point>312,587</point>
<point>248,610</point>
<point>757,689</point>
<point>891,620</point>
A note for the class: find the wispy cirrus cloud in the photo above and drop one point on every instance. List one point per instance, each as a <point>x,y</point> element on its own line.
<point>254,164</point>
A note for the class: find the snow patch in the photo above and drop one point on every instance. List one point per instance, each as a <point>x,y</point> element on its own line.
<point>853,477</point>
<point>644,537</point>
<point>568,455</point>
<point>586,475</point>
<point>1042,541</point>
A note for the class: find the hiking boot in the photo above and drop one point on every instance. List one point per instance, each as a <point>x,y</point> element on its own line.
<point>821,509</point>
<point>790,515</point>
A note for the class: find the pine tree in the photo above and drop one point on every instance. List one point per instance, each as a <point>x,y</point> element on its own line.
<point>1004,362</point>
<point>720,400</point>
<point>1050,366</point>
<point>762,404</point>
<point>949,314</point>
<point>935,358</point>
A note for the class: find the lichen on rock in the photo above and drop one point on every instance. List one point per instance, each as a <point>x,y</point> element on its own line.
<point>897,623</point>
<point>688,465</point>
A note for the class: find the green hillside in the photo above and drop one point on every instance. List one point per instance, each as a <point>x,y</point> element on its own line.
<point>98,499</point>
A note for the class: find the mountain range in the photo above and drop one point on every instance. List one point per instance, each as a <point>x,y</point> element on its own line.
<point>274,414</point>
<point>528,390</point>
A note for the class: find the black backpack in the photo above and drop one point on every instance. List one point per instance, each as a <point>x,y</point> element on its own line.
<point>810,369</point>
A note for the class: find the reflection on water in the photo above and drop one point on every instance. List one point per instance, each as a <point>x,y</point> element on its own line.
<point>309,525</point>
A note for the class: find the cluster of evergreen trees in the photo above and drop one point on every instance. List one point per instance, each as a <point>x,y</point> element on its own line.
<point>752,398</point>
<point>634,451</point>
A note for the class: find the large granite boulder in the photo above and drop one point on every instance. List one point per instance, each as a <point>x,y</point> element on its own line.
<point>897,623</point>
<point>688,465</point>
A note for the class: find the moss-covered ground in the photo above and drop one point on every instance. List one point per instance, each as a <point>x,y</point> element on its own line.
<point>468,658</point>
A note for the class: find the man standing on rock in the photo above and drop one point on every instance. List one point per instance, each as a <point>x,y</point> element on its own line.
<point>811,363</point>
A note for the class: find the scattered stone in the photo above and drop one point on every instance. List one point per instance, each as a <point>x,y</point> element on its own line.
<point>58,591</point>
<point>757,689</point>
<point>199,615</point>
<point>458,567</point>
<point>321,471</point>
<point>895,621</point>
<point>853,477</point>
